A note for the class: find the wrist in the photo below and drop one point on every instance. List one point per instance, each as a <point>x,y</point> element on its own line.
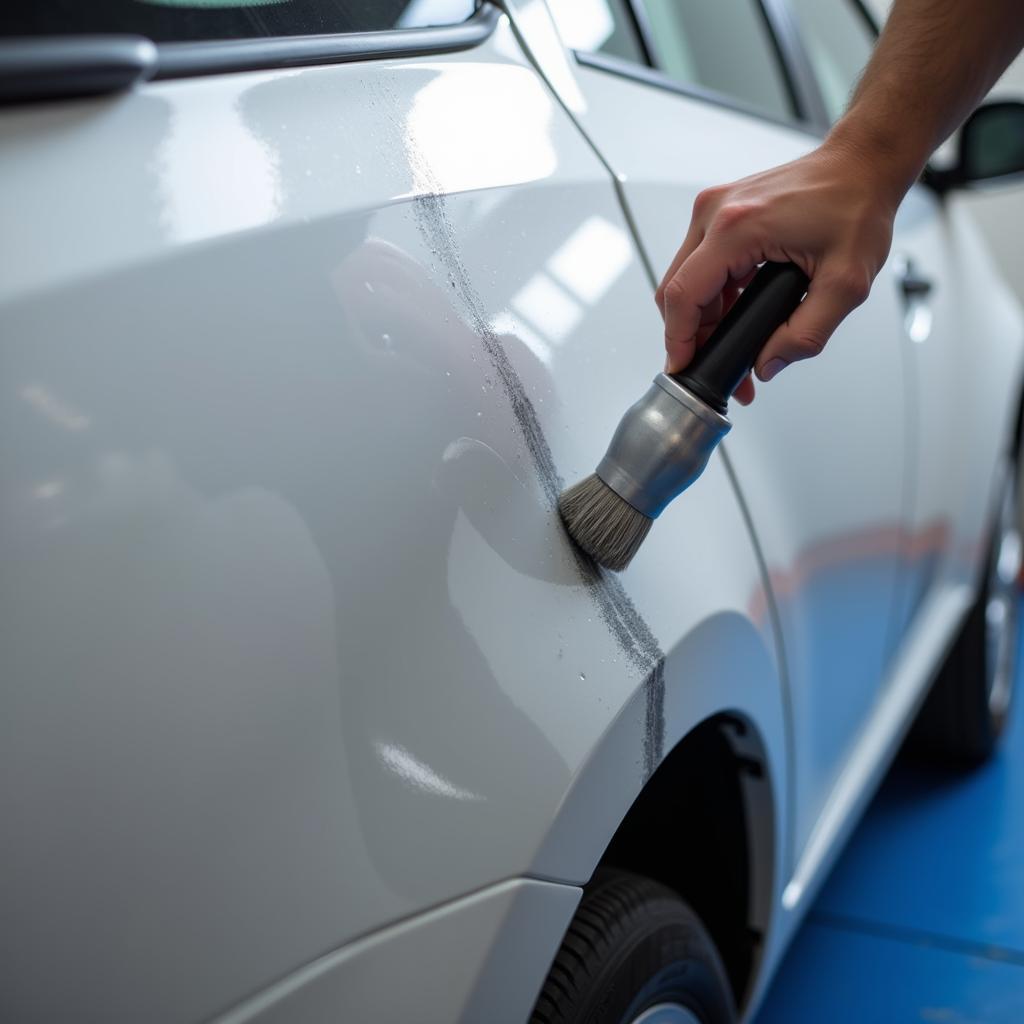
<point>891,163</point>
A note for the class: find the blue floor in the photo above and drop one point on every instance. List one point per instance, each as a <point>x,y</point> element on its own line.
<point>923,917</point>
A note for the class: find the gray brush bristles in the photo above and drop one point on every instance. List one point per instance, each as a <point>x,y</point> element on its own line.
<point>608,528</point>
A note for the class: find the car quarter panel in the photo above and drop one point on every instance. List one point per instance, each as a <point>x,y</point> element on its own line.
<point>294,643</point>
<point>478,958</point>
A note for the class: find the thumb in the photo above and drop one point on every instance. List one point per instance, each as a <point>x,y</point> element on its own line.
<point>831,297</point>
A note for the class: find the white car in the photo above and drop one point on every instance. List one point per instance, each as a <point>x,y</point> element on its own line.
<point>311,711</point>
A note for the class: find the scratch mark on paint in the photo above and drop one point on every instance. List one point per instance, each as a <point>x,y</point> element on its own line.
<point>614,605</point>
<point>618,612</point>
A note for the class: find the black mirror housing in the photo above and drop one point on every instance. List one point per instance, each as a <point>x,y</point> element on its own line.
<point>991,148</point>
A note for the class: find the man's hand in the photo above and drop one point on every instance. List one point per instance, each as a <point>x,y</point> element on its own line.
<point>831,212</point>
<point>827,212</point>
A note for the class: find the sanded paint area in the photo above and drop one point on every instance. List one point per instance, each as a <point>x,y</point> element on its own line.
<point>923,917</point>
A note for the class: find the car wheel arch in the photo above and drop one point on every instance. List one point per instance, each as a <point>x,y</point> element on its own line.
<point>727,760</point>
<point>712,798</point>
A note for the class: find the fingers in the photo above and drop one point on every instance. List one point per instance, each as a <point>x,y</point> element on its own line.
<point>832,295</point>
<point>704,206</point>
<point>695,293</point>
<point>694,236</point>
<point>694,296</point>
<point>744,394</point>
<point>739,283</point>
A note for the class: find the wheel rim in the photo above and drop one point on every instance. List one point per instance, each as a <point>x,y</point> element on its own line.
<point>1002,610</point>
<point>667,1013</point>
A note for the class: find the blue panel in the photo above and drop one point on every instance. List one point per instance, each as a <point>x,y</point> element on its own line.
<point>849,977</point>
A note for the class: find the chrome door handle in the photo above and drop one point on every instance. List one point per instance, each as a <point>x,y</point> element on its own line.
<point>913,284</point>
<point>917,311</point>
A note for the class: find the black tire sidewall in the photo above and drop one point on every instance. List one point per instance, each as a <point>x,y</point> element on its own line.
<point>956,725</point>
<point>664,955</point>
<point>978,730</point>
<point>688,982</point>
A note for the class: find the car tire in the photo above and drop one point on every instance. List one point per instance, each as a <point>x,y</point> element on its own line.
<point>635,953</point>
<point>969,703</point>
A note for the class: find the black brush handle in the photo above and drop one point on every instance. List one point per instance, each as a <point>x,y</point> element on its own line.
<point>729,354</point>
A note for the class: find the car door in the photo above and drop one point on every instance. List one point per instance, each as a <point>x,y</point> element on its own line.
<point>948,292</point>
<point>820,456</point>
<point>294,361</point>
<point>955,309</point>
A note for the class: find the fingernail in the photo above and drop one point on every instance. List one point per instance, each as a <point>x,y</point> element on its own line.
<point>771,368</point>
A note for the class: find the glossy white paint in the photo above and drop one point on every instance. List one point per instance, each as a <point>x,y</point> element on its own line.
<point>297,655</point>
<point>936,622</point>
<point>821,467</point>
<point>295,645</point>
<point>478,958</point>
<point>911,521</point>
<point>966,382</point>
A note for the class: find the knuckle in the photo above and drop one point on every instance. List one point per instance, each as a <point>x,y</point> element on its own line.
<point>809,342</point>
<point>674,294</point>
<point>707,199</point>
<point>853,284</point>
<point>734,214</point>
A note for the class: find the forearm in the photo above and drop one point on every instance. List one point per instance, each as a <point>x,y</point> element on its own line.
<point>934,62</point>
<point>832,211</point>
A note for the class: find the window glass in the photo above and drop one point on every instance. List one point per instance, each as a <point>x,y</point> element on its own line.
<point>839,42</point>
<point>187,20</point>
<point>598,26</point>
<point>724,45</point>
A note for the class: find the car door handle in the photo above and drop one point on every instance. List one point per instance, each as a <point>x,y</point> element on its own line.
<point>917,311</point>
<point>913,284</point>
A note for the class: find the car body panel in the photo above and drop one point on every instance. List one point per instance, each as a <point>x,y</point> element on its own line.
<point>478,958</point>
<point>304,679</point>
<point>921,554</point>
<point>965,358</point>
<point>295,644</point>
<point>821,468</point>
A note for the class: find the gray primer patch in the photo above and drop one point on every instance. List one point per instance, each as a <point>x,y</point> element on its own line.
<point>618,612</point>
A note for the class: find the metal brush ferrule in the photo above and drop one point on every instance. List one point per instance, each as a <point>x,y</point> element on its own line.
<point>661,446</point>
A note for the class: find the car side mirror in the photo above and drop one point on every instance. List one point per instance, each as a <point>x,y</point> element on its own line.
<point>991,148</point>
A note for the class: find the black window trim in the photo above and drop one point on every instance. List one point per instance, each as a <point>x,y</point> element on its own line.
<point>789,31</point>
<point>644,32</point>
<point>929,177</point>
<point>652,76</point>
<point>642,24</point>
<point>790,46</point>
<point>868,17</point>
<point>794,83</point>
<point>62,67</point>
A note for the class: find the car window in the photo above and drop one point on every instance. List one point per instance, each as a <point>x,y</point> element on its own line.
<point>599,26</point>
<point>191,20</point>
<point>839,41</point>
<point>725,46</point>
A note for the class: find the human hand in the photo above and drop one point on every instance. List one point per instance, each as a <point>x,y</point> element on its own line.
<point>828,212</point>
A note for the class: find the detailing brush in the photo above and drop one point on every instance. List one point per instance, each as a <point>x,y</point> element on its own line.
<point>664,441</point>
